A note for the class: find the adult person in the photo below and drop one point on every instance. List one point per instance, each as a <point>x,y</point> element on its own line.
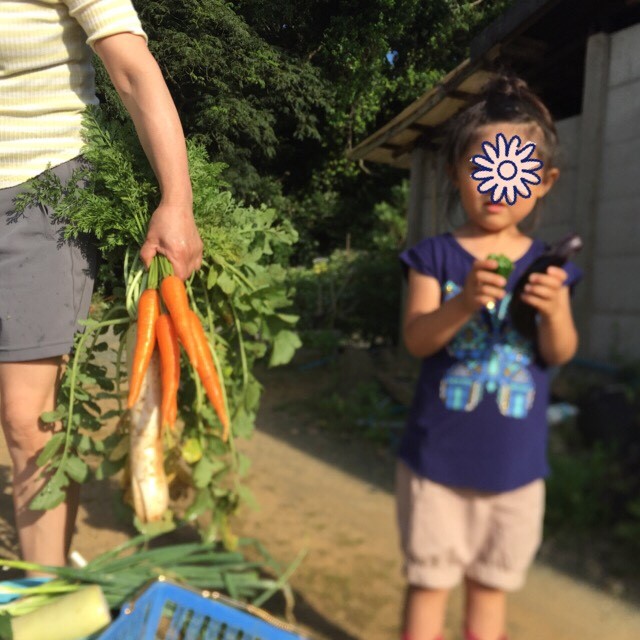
<point>46,82</point>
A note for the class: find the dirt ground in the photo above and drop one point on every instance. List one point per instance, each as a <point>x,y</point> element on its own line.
<point>332,495</point>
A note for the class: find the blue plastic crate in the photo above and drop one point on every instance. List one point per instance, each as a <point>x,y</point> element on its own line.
<point>166,611</point>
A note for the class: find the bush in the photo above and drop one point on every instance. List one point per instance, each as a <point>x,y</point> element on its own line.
<point>356,293</point>
<point>628,530</point>
<point>577,490</point>
<point>595,482</point>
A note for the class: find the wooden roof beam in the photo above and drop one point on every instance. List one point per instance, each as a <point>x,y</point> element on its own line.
<point>525,48</point>
<point>423,141</point>
<point>459,95</point>
<point>427,129</point>
<point>509,25</point>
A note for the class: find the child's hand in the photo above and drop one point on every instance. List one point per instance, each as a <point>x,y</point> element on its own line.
<point>483,286</point>
<point>542,291</point>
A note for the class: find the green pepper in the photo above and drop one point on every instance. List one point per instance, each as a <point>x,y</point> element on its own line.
<point>505,266</point>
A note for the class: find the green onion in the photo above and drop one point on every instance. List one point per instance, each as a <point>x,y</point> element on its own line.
<point>123,571</point>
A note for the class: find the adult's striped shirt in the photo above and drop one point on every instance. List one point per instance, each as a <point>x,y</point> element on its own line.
<point>47,80</point>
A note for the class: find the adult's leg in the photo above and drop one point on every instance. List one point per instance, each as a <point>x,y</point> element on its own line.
<point>424,613</point>
<point>27,389</point>
<point>485,612</point>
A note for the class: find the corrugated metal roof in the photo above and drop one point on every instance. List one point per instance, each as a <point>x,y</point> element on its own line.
<point>423,120</point>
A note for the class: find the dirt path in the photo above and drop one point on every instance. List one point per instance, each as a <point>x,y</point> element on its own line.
<point>332,496</point>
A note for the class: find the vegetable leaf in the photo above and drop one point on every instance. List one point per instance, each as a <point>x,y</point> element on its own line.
<point>285,345</point>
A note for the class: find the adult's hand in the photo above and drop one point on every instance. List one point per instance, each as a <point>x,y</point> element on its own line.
<point>172,233</point>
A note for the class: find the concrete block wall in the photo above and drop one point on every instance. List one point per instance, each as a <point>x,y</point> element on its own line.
<point>610,315</point>
<point>557,211</point>
<point>615,312</point>
<point>598,195</point>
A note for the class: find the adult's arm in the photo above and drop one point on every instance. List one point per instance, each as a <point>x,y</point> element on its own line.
<point>139,83</point>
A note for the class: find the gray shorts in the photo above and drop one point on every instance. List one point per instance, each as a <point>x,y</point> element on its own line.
<point>448,533</point>
<point>46,281</point>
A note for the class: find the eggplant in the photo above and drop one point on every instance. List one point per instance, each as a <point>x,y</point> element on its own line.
<point>523,316</point>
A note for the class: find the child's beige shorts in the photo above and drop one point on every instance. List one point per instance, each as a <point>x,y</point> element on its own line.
<point>448,533</point>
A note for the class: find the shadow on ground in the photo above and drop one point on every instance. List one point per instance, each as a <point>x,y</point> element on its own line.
<point>355,455</point>
<point>101,502</point>
<point>9,546</point>
<point>310,618</point>
<point>100,508</point>
<point>304,614</point>
<point>293,391</point>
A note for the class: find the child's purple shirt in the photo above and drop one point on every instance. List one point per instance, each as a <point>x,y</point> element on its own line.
<point>478,418</point>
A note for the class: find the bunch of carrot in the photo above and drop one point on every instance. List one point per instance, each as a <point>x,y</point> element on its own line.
<point>165,318</point>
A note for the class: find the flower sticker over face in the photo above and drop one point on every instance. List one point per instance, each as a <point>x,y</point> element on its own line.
<point>506,168</point>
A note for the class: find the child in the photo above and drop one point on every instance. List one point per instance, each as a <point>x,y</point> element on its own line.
<point>470,489</point>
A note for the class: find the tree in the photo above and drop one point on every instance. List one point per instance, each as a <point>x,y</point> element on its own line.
<point>241,97</point>
<point>280,91</point>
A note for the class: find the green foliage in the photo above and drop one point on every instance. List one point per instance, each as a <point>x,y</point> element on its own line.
<point>244,99</point>
<point>240,293</point>
<point>628,530</point>
<point>594,484</point>
<point>115,209</point>
<point>390,219</point>
<point>355,293</point>
<point>280,91</point>
<point>578,490</point>
<point>348,43</point>
<point>364,410</point>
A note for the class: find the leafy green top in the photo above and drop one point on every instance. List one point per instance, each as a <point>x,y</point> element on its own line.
<point>240,294</point>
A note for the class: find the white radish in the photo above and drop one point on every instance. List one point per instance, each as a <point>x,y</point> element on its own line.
<point>146,458</point>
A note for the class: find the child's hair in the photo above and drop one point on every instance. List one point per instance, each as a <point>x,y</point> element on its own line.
<point>503,99</point>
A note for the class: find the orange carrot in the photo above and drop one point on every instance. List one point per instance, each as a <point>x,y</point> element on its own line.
<point>148,310</point>
<point>174,295</point>
<point>169,367</point>
<point>173,411</point>
<point>208,375</point>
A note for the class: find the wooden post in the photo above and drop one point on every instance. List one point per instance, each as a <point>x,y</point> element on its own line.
<point>415,214</point>
<point>417,188</point>
<point>594,104</point>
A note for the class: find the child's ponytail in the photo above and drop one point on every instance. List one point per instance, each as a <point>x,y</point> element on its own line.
<point>505,98</point>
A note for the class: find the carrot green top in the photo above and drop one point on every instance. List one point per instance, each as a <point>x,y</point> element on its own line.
<point>46,77</point>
